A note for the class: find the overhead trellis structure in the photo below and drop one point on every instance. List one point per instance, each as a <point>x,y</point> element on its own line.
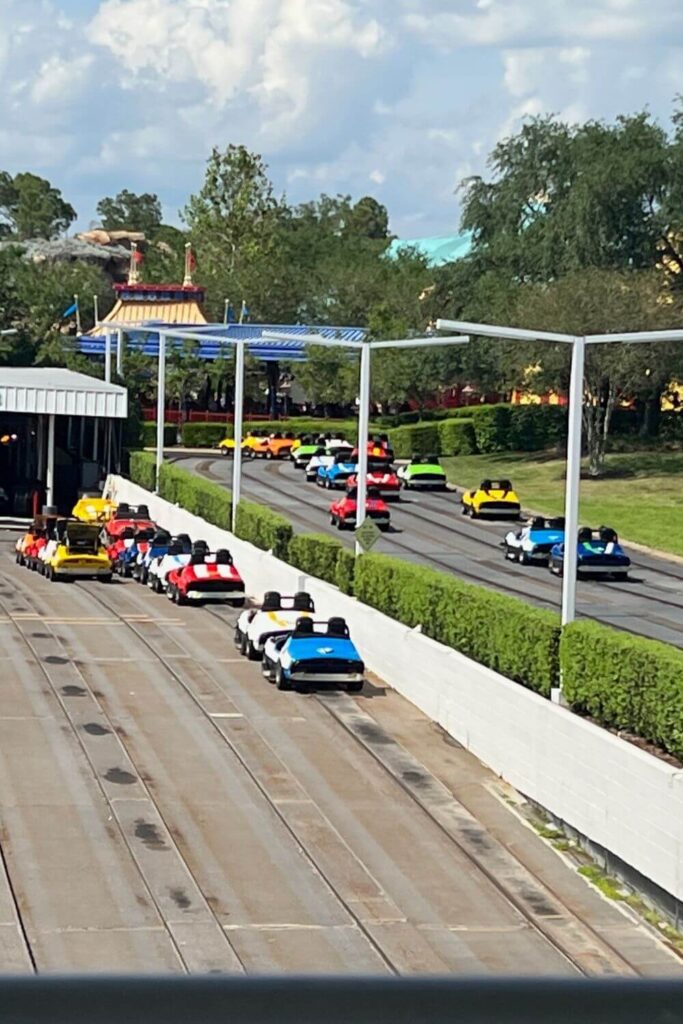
<point>214,341</point>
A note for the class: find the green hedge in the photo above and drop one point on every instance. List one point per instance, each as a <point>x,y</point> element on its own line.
<point>507,635</point>
<point>264,528</point>
<point>205,435</point>
<point>422,438</point>
<point>315,554</point>
<point>625,681</point>
<point>201,497</point>
<point>143,469</point>
<point>457,437</point>
<point>346,570</point>
<point>149,434</point>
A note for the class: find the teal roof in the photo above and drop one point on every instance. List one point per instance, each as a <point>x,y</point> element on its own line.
<point>438,250</point>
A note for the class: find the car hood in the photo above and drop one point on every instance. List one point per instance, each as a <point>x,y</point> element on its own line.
<point>321,646</point>
<point>546,536</point>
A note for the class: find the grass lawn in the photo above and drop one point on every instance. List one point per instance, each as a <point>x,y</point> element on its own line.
<point>640,495</point>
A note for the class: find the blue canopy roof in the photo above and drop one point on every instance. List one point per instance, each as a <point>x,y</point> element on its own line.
<point>218,344</point>
<point>436,250</point>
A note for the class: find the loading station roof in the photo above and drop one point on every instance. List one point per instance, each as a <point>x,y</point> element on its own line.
<point>62,392</point>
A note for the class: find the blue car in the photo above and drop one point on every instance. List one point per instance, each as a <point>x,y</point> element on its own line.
<point>599,554</point>
<point>336,475</point>
<point>532,544</point>
<point>315,653</point>
<point>157,547</point>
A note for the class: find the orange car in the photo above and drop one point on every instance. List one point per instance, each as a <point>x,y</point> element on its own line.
<point>277,446</point>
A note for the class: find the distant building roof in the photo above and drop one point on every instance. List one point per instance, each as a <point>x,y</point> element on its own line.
<point>30,389</point>
<point>438,249</point>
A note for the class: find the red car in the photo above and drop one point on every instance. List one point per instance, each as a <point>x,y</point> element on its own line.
<point>343,511</point>
<point>125,517</point>
<point>206,578</point>
<point>382,480</point>
<point>378,452</point>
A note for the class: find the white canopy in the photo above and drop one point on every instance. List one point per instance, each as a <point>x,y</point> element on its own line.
<point>37,390</point>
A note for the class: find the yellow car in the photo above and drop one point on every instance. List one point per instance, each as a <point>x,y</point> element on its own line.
<point>93,508</point>
<point>252,440</point>
<point>494,498</point>
<point>78,554</point>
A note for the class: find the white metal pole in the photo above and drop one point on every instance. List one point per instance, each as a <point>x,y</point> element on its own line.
<point>119,352</point>
<point>50,478</point>
<point>40,439</point>
<point>107,356</point>
<point>161,405</point>
<point>573,485</point>
<point>237,431</point>
<point>363,430</point>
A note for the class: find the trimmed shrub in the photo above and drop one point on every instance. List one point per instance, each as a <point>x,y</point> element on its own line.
<point>492,428</point>
<point>457,437</point>
<point>264,528</point>
<point>625,681</point>
<point>205,435</point>
<point>315,554</point>
<point>422,438</point>
<point>201,497</point>
<point>143,469</point>
<point>671,425</point>
<point>346,568</point>
<point>149,434</point>
<point>507,635</point>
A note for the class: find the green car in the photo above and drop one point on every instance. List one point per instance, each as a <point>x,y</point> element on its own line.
<point>423,472</point>
<point>302,455</point>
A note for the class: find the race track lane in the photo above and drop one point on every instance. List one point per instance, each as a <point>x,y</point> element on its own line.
<point>428,528</point>
<point>164,808</point>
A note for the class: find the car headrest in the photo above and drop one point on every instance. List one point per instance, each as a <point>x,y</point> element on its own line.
<point>146,534</point>
<point>608,535</point>
<point>373,492</point>
<point>557,523</point>
<point>143,510</point>
<point>384,438</point>
<point>537,523</point>
<point>200,545</point>
<point>271,601</point>
<point>352,492</point>
<point>431,459</point>
<point>183,538</point>
<point>337,627</point>
<point>505,485</point>
<point>304,627</point>
<point>175,548</point>
<point>486,485</point>
<point>123,510</point>
<point>223,557</point>
<point>198,557</point>
<point>320,451</point>
<point>303,602</point>
<point>161,537</point>
<point>127,533</point>
<point>585,534</point>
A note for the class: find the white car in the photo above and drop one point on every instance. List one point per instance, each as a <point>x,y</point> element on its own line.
<point>276,617</point>
<point>533,543</point>
<point>325,457</point>
<point>177,556</point>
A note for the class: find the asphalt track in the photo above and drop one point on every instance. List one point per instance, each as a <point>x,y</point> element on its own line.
<point>163,808</point>
<point>428,528</point>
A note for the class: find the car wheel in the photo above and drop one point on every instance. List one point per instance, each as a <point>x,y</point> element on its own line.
<point>238,637</point>
<point>19,558</point>
<point>280,681</point>
<point>269,455</point>
<point>252,653</point>
<point>239,602</point>
<point>244,646</point>
<point>105,579</point>
<point>143,576</point>
<point>355,687</point>
<point>224,452</point>
<point>340,523</point>
<point>180,597</point>
<point>463,509</point>
<point>125,571</point>
<point>523,558</point>
<point>170,592</point>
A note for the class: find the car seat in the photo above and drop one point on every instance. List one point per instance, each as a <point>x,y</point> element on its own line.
<point>337,627</point>
<point>198,557</point>
<point>128,533</point>
<point>143,511</point>
<point>272,601</point>
<point>537,523</point>
<point>352,493</point>
<point>608,535</point>
<point>373,493</point>
<point>223,557</point>
<point>200,545</point>
<point>304,627</point>
<point>175,548</point>
<point>585,535</point>
<point>303,602</point>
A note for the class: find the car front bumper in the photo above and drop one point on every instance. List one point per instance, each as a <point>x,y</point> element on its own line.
<point>214,595</point>
<point>325,677</point>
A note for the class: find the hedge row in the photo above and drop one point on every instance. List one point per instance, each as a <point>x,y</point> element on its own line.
<point>143,469</point>
<point>323,557</point>
<point>503,633</point>
<point>625,682</point>
<point>263,528</point>
<point>484,429</point>
<point>148,437</point>
<point>205,435</point>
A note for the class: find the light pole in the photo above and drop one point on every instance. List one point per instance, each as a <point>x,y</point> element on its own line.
<point>574,426</point>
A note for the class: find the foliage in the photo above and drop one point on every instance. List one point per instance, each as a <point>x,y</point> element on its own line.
<point>263,528</point>
<point>507,635</point>
<point>148,432</point>
<point>329,377</point>
<point>457,437</point>
<point>201,497</point>
<point>143,469</point>
<point>30,207</point>
<point>316,554</point>
<point>130,212</point>
<point>418,438</point>
<point>204,435</point>
<point>625,682</point>
<point>346,571</point>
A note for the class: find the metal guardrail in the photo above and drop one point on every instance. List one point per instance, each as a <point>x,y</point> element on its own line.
<point>207,1000</point>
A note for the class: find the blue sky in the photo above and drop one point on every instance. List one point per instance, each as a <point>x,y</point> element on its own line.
<point>397,98</point>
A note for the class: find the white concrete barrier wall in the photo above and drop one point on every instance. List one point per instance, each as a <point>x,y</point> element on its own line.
<point>608,790</point>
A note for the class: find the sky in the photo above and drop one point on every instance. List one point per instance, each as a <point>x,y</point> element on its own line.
<point>400,99</point>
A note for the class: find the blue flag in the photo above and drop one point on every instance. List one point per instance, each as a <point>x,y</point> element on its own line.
<point>230,315</point>
<point>68,312</point>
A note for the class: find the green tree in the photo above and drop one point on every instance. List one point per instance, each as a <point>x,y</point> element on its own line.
<point>30,207</point>
<point>329,376</point>
<point>130,212</point>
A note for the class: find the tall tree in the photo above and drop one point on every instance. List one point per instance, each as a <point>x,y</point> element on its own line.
<point>30,207</point>
<point>130,212</point>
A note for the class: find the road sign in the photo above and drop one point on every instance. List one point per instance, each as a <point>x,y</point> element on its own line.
<point>368,534</point>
